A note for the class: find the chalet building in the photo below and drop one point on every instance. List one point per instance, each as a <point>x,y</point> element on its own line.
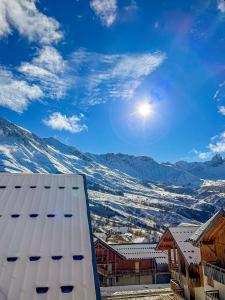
<point>210,237</point>
<point>46,249</point>
<point>184,261</point>
<point>130,264</point>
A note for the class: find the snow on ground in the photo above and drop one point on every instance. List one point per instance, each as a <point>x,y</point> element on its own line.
<point>134,289</point>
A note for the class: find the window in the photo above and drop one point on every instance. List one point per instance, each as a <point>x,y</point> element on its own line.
<point>68,215</point>
<point>41,290</point>
<point>78,257</point>
<point>15,216</point>
<point>33,215</point>
<point>67,288</point>
<point>56,257</point>
<point>12,259</point>
<point>34,258</point>
<point>50,215</point>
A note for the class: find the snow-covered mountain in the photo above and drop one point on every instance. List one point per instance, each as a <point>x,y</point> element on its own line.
<point>122,188</point>
<point>146,169</point>
<point>213,169</point>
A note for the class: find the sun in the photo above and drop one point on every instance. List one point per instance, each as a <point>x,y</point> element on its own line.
<point>144,109</point>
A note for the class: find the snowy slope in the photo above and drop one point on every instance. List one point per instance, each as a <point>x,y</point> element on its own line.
<point>213,169</point>
<point>146,169</point>
<point>121,188</point>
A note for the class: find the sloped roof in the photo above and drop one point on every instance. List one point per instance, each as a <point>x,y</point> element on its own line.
<point>199,233</point>
<point>181,235</point>
<point>45,238</point>
<point>141,251</point>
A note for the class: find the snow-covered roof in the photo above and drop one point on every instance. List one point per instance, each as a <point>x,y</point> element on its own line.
<point>198,234</point>
<point>181,235</point>
<point>45,238</point>
<point>141,251</point>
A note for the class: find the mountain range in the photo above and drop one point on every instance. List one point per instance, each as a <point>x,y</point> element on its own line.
<point>125,188</point>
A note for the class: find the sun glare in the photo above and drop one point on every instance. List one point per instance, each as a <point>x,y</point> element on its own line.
<point>145,109</point>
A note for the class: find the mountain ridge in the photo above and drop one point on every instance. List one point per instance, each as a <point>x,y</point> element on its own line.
<point>122,188</point>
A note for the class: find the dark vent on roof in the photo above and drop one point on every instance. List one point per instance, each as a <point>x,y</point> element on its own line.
<point>11,259</point>
<point>41,290</point>
<point>66,289</point>
<point>17,186</point>
<point>61,187</point>
<point>15,216</point>
<point>33,215</point>
<point>2,186</point>
<point>47,187</point>
<point>75,187</point>
<point>78,257</point>
<point>50,215</point>
<point>56,257</point>
<point>33,186</point>
<point>68,215</point>
<point>34,258</point>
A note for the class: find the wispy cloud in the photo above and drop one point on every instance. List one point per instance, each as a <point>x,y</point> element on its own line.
<point>218,145</point>
<point>23,16</point>
<point>16,93</point>
<point>221,5</point>
<point>132,6</point>
<point>101,77</point>
<point>47,70</point>
<point>43,76</point>
<point>222,110</point>
<point>106,10</point>
<point>62,122</point>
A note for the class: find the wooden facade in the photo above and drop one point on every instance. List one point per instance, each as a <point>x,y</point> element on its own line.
<point>211,240</point>
<point>115,269</point>
<point>183,261</point>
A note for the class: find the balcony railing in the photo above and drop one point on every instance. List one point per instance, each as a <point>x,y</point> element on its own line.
<point>214,271</point>
<point>212,295</point>
<point>177,289</point>
<point>119,272</point>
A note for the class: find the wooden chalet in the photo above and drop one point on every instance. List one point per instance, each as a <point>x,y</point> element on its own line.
<point>210,237</point>
<point>130,264</point>
<point>183,261</point>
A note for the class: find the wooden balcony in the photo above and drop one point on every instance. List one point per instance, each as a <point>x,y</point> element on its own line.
<point>177,289</point>
<point>214,271</point>
<point>212,295</point>
<point>194,282</point>
<point>127,272</point>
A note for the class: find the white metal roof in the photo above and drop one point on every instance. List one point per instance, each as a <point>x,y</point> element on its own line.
<point>181,235</point>
<point>45,218</point>
<point>140,251</point>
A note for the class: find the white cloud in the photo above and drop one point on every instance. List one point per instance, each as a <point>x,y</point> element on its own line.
<point>47,70</point>
<point>62,122</point>
<point>202,155</point>
<point>219,144</point>
<point>23,16</point>
<point>103,77</point>
<point>106,10</point>
<point>222,110</point>
<point>132,6</point>
<point>15,93</point>
<point>221,5</point>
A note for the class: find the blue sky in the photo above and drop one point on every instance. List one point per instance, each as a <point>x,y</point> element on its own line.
<point>79,71</point>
